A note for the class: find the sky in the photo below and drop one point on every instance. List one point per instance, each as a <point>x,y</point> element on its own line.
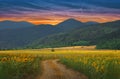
<point>55,11</point>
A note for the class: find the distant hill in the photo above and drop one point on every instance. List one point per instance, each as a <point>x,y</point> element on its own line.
<point>90,35</point>
<point>14,25</point>
<point>67,33</point>
<point>92,22</point>
<point>70,24</point>
<point>15,38</point>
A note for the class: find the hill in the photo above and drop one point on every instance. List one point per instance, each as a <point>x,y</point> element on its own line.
<point>90,35</point>
<point>110,41</point>
<point>68,33</point>
<point>14,25</point>
<point>15,38</point>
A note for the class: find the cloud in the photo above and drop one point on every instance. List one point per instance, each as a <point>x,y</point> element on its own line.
<point>53,5</point>
<point>62,8</point>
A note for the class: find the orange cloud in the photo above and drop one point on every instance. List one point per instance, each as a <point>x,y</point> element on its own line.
<point>57,19</point>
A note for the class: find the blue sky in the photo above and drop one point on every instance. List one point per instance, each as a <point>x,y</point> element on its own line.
<point>54,11</point>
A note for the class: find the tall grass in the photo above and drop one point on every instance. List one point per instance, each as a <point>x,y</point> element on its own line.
<point>19,66</point>
<point>99,66</point>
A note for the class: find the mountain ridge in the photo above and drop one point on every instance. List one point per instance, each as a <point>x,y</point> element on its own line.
<point>7,24</point>
<point>89,35</point>
<point>43,36</point>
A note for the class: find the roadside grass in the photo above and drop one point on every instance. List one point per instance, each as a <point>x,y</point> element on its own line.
<point>95,66</point>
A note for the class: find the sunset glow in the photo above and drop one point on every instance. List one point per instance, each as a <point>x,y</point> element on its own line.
<point>53,12</point>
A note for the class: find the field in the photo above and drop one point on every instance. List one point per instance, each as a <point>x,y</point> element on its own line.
<point>29,64</point>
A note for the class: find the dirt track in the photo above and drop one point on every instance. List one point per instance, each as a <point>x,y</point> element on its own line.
<point>54,70</point>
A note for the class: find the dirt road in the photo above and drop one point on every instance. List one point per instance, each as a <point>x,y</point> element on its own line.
<point>54,70</point>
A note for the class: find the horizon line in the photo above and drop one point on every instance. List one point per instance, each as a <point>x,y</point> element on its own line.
<point>57,22</point>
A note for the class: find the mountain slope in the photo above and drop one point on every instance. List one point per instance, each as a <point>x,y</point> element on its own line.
<point>62,34</point>
<point>70,24</point>
<point>14,25</point>
<point>110,41</point>
<point>89,35</point>
<point>15,38</point>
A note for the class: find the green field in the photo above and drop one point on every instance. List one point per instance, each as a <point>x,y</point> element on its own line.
<point>95,64</point>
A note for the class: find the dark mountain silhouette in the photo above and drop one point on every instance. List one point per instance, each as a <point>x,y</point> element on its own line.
<point>67,33</point>
<point>70,24</point>
<point>14,25</point>
<point>91,22</point>
<point>90,35</point>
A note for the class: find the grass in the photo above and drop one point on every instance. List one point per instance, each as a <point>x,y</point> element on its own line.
<point>25,64</point>
<point>100,65</point>
<point>19,66</point>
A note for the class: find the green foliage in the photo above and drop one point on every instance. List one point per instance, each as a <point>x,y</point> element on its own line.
<point>81,43</point>
<point>96,67</point>
<point>10,69</point>
<point>89,35</point>
<point>47,36</point>
<point>110,44</point>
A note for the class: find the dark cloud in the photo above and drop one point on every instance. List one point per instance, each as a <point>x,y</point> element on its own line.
<point>8,7</point>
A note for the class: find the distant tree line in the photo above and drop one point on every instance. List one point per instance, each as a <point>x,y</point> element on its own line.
<point>110,44</point>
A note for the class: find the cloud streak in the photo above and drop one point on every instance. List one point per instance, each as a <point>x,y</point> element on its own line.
<point>32,10</point>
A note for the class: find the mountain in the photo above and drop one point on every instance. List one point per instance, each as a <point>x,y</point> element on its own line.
<point>14,25</point>
<point>109,41</point>
<point>70,24</point>
<point>90,35</point>
<point>15,38</point>
<point>91,22</point>
<point>67,33</point>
